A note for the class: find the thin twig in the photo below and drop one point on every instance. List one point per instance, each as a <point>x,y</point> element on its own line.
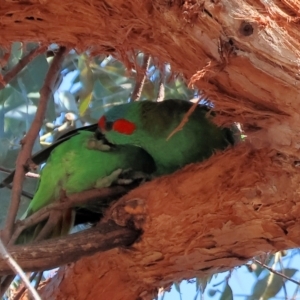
<point>23,62</point>
<point>282,271</point>
<point>18,271</point>
<point>141,77</point>
<point>184,120</point>
<point>28,141</point>
<point>23,193</point>
<point>276,272</point>
<point>5,170</point>
<point>72,201</point>
<point>52,253</point>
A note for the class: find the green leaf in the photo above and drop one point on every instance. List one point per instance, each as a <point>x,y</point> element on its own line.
<point>15,54</point>
<point>100,91</point>
<point>86,76</point>
<point>84,104</point>
<point>227,293</point>
<point>212,292</point>
<point>4,146</point>
<point>269,286</point>
<point>116,70</point>
<point>32,76</point>
<point>177,288</point>
<point>259,269</point>
<point>202,282</point>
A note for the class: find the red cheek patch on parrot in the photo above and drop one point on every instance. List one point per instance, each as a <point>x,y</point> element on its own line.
<point>102,122</point>
<point>123,126</point>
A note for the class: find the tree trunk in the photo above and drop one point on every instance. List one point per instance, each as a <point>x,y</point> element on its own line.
<point>212,216</point>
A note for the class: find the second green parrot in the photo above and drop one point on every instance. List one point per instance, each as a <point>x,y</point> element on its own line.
<point>80,163</point>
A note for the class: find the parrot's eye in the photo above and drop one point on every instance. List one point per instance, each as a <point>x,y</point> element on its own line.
<point>123,126</point>
<point>102,122</point>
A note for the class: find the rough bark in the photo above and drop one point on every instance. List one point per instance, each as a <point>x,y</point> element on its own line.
<point>206,218</point>
<point>50,254</point>
<point>203,219</point>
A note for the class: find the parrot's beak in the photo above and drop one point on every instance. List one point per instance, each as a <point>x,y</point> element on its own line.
<point>100,136</point>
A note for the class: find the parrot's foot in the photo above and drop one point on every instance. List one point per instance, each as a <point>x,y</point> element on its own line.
<point>122,177</point>
<point>129,176</point>
<point>108,180</point>
<point>59,223</point>
<point>95,144</point>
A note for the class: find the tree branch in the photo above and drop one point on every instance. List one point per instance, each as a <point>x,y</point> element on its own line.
<point>184,119</point>
<point>56,252</point>
<point>6,256</point>
<point>206,218</point>
<point>140,78</point>
<point>28,141</point>
<point>276,272</point>
<point>70,201</point>
<point>23,62</point>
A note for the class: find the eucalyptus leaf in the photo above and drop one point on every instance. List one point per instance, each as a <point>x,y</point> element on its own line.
<point>227,293</point>
<point>86,76</point>
<point>177,287</point>
<point>16,53</point>
<point>4,146</point>
<point>33,75</point>
<point>84,104</point>
<point>100,90</point>
<point>270,285</point>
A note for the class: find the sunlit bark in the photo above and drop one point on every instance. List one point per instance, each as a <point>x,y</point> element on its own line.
<point>245,57</point>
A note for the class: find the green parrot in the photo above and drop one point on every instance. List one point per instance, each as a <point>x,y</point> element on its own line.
<point>82,162</point>
<point>42,155</point>
<point>148,125</point>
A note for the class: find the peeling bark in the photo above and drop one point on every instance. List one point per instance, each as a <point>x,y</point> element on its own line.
<point>212,216</point>
<point>50,254</point>
<point>204,219</point>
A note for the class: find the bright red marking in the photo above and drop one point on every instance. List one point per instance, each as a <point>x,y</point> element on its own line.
<point>102,123</point>
<point>123,126</point>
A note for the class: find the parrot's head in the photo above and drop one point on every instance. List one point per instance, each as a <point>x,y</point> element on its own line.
<point>121,124</point>
<point>142,123</point>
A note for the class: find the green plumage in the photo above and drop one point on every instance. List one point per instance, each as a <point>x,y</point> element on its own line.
<point>74,167</point>
<point>154,121</point>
